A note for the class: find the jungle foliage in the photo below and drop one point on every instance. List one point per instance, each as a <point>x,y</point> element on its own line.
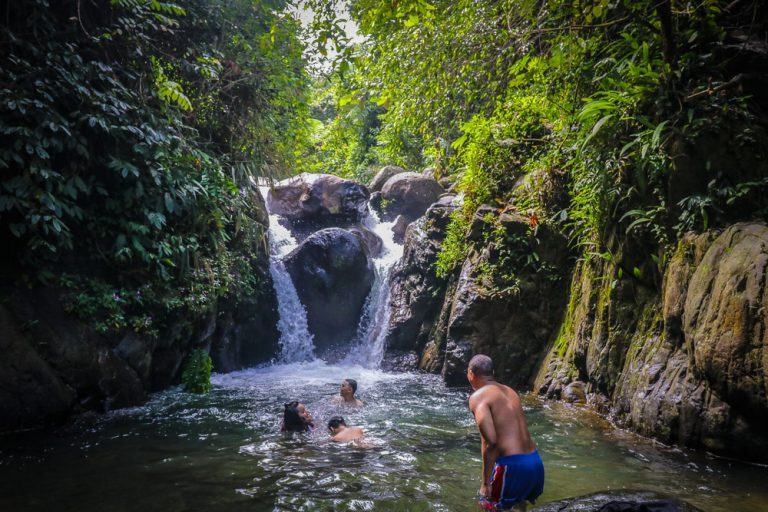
<point>131,130</point>
<point>636,119</point>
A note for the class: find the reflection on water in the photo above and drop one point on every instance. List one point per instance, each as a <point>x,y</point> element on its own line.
<point>224,452</point>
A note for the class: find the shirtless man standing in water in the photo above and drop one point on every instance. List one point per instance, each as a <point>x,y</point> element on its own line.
<point>512,469</point>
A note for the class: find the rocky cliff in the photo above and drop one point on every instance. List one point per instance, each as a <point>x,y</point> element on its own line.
<point>674,350</point>
<point>56,363</point>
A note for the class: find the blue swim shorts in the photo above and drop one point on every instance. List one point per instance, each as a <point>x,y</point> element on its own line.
<point>516,478</point>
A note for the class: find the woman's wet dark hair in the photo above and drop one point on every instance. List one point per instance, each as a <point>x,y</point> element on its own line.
<point>352,384</point>
<point>292,422</point>
<point>336,422</point>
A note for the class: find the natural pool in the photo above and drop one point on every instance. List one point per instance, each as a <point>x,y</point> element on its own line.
<point>223,452</point>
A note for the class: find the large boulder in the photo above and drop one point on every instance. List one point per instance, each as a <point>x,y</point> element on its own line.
<point>409,194</point>
<point>386,172</point>
<point>725,319</point>
<point>508,302</point>
<point>312,201</point>
<point>415,290</point>
<point>333,275</point>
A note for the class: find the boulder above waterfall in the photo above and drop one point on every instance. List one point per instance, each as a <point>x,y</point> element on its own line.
<point>409,194</point>
<point>386,172</point>
<point>314,201</point>
<point>333,275</point>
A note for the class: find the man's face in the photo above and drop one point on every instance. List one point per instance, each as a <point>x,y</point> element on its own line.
<point>304,413</point>
<point>346,389</point>
<point>471,378</point>
<point>333,430</point>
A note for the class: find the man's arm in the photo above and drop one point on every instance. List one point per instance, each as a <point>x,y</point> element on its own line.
<point>484,420</point>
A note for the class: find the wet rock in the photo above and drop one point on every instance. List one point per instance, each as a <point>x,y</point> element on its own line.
<point>386,172</point>
<point>246,333</point>
<point>510,314</point>
<point>398,229</point>
<point>400,361</point>
<point>725,320</point>
<point>333,275</point>
<point>415,290</point>
<point>619,501</point>
<point>31,393</point>
<point>575,393</point>
<point>372,241</point>
<point>409,194</point>
<point>679,365</point>
<point>312,201</point>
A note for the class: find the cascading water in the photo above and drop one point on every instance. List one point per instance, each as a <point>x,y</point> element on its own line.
<point>296,343</point>
<point>372,330</point>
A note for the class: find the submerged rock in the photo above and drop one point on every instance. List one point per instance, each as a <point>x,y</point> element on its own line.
<point>333,275</point>
<point>619,501</point>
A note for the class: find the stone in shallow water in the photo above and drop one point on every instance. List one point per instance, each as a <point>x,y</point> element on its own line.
<point>619,501</point>
<point>333,275</point>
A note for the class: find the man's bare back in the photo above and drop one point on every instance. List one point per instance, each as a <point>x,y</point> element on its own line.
<point>348,434</point>
<point>506,413</point>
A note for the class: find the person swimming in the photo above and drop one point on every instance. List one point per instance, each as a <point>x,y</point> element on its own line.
<point>347,392</point>
<point>296,418</point>
<point>341,433</point>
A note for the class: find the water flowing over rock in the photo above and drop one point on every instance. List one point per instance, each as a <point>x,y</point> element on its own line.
<point>409,194</point>
<point>333,275</point>
<point>386,172</point>
<point>309,202</point>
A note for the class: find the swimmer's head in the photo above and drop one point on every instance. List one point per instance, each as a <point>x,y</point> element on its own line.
<point>296,418</point>
<point>335,423</point>
<point>480,367</point>
<point>348,387</point>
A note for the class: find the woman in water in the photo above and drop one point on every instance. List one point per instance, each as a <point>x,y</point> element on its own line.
<point>296,418</point>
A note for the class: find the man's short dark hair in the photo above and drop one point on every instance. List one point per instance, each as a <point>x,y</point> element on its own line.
<point>336,422</point>
<point>481,365</point>
<point>352,384</point>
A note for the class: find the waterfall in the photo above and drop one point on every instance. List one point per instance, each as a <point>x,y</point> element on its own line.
<point>296,343</point>
<point>372,330</point>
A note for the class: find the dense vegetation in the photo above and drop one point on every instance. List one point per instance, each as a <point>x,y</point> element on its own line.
<point>623,119</point>
<point>130,133</point>
<point>132,129</point>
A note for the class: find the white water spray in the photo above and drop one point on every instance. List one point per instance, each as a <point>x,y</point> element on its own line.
<point>372,330</point>
<point>296,342</point>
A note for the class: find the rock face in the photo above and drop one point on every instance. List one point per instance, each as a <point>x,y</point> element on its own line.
<point>450,319</point>
<point>55,364</point>
<point>415,290</point>
<point>686,365</point>
<point>511,314</point>
<point>619,501</point>
<point>409,194</point>
<point>314,201</point>
<point>386,172</point>
<point>333,275</point>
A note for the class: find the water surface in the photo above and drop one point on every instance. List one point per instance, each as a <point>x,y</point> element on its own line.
<point>223,452</point>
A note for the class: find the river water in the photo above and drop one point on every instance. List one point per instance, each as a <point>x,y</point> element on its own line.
<point>224,452</point>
